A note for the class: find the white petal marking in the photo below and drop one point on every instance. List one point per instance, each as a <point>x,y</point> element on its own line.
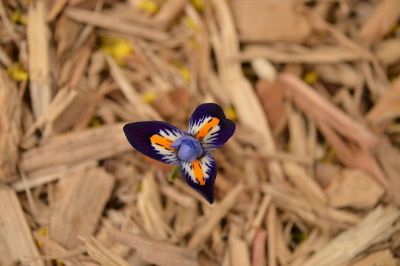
<point>168,156</point>
<point>206,163</point>
<point>208,140</point>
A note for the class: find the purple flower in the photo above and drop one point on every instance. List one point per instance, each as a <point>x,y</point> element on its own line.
<point>191,150</point>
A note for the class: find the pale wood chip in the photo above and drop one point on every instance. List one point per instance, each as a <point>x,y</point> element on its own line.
<point>305,183</point>
<point>315,55</point>
<point>388,51</point>
<point>145,110</point>
<point>389,157</point>
<point>259,217</point>
<point>258,256</point>
<point>272,241</point>
<point>43,177</point>
<point>114,23</point>
<point>355,157</point>
<point>10,127</point>
<point>236,86</point>
<point>325,172</point>
<point>80,201</point>
<point>341,73</point>
<point>315,240</point>
<point>377,226</point>
<point>380,22</point>
<point>272,100</point>
<point>5,58</point>
<point>238,252</point>
<point>297,133</point>
<point>155,252</point>
<point>150,208</point>
<point>56,9</point>
<point>54,250</point>
<point>39,68</point>
<point>387,107</point>
<point>320,109</point>
<point>354,188</point>
<point>313,212</point>
<point>383,257</point>
<point>102,254</point>
<point>169,11</point>
<point>87,145</point>
<point>15,233</point>
<point>271,21</point>
<point>264,69</point>
<point>335,125</point>
<point>212,219</point>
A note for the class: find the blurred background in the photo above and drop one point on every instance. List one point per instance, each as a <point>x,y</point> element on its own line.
<point>311,176</point>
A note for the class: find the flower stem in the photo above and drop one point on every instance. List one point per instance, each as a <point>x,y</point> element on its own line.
<point>175,172</point>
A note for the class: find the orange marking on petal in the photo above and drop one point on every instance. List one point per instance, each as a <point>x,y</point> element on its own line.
<point>198,172</point>
<point>162,141</point>
<point>206,128</point>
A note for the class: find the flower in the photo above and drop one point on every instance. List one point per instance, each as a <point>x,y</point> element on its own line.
<point>191,150</point>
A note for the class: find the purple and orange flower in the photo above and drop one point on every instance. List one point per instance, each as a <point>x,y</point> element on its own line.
<point>191,150</point>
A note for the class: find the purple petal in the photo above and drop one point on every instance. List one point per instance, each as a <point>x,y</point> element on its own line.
<point>154,139</point>
<point>209,124</point>
<point>200,175</point>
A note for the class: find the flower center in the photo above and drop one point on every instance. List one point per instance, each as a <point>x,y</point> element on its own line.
<point>189,148</point>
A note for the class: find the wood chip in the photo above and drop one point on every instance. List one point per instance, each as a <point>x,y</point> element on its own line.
<point>377,226</point>
<point>272,243</point>
<point>388,51</point>
<point>382,19</point>
<point>130,93</point>
<point>114,23</point>
<point>214,217</point>
<point>155,252</point>
<point>259,249</point>
<point>70,219</point>
<point>354,188</point>
<point>169,11</point>
<point>15,234</point>
<point>341,73</point>
<point>39,72</point>
<point>238,252</point>
<point>272,100</point>
<point>270,21</point>
<point>305,183</point>
<point>389,157</point>
<point>383,257</point>
<point>10,127</point>
<point>315,55</point>
<point>388,106</point>
<point>102,254</point>
<point>86,145</point>
<point>237,88</point>
<point>150,209</point>
<point>319,108</point>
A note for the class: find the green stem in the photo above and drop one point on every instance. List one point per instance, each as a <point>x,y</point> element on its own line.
<point>175,172</point>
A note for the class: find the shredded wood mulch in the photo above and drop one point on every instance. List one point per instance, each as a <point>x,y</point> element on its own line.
<point>311,176</point>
